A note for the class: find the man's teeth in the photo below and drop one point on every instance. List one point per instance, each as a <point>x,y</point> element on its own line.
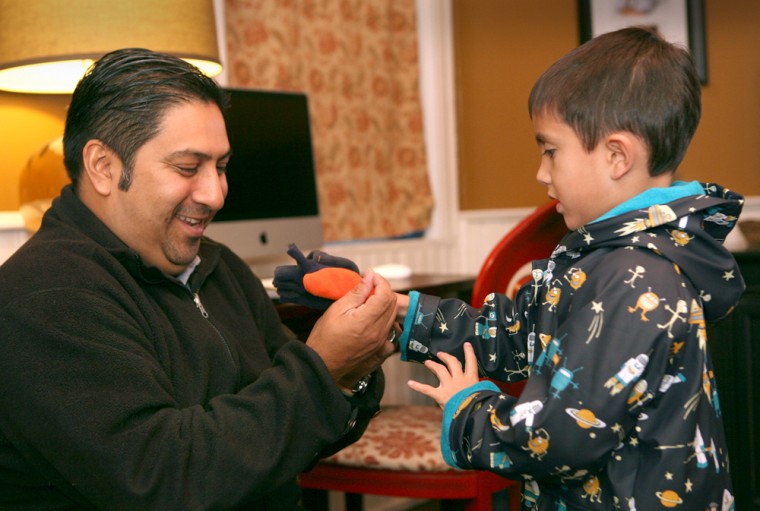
<point>191,221</point>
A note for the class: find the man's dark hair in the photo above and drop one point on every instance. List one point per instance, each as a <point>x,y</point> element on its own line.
<point>628,80</point>
<point>121,102</point>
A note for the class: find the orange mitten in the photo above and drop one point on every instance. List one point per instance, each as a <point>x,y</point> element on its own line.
<point>331,283</point>
<point>317,280</point>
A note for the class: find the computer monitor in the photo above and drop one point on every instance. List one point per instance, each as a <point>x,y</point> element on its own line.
<point>272,199</point>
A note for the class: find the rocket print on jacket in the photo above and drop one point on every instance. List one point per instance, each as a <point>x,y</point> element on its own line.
<point>621,408</point>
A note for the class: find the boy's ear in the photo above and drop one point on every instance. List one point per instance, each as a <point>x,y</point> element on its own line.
<point>101,166</point>
<point>623,151</point>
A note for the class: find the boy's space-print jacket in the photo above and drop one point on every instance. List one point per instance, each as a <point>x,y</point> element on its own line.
<point>620,409</point>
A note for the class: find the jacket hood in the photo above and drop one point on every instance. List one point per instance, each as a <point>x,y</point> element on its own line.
<point>689,232</point>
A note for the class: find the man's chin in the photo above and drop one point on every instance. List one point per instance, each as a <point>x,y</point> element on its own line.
<point>187,256</point>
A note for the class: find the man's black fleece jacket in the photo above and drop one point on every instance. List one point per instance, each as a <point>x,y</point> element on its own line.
<point>123,389</point>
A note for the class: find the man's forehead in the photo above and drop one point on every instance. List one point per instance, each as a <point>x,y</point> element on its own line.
<point>193,120</point>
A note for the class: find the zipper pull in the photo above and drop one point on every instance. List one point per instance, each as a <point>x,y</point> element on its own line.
<point>197,300</point>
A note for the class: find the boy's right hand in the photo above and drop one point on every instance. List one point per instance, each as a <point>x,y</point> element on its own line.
<point>451,376</point>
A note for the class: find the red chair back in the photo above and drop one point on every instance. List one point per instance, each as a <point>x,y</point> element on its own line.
<point>535,237</point>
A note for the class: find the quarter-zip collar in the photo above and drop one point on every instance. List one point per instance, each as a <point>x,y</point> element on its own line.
<point>70,210</point>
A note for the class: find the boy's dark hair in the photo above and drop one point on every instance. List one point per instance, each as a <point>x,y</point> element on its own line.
<point>628,80</point>
<point>122,99</point>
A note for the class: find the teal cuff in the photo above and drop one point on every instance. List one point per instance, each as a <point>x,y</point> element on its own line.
<point>450,410</point>
<point>403,342</point>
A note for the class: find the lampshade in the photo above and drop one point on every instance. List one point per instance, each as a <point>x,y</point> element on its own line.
<point>47,45</point>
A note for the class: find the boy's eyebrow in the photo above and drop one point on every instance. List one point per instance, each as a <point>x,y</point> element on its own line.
<point>540,138</point>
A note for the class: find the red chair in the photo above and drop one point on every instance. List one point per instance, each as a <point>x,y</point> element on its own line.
<point>533,238</point>
<point>399,456</point>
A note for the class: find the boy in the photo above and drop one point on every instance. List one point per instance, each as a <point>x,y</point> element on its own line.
<point>620,408</point>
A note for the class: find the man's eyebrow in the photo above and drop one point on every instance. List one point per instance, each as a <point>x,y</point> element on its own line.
<point>197,154</point>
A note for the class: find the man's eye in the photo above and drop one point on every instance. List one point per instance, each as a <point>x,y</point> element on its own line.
<point>186,169</point>
<point>221,169</point>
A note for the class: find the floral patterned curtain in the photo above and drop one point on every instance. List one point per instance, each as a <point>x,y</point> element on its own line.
<point>357,61</point>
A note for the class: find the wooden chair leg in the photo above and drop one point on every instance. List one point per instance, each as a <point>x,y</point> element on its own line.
<point>509,499</point>
<point>482,503</point>
<point>515,498</point>
<point>315,500</point>
<point>354,502</point>
<point>453,505</point>
<point>504,500</point>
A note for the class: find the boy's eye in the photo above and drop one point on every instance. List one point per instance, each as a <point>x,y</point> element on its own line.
<point>548,152</point>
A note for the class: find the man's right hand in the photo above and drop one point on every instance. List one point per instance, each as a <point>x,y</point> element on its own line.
<point>351,336</point>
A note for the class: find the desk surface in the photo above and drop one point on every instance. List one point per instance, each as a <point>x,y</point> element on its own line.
<point>435,284</point>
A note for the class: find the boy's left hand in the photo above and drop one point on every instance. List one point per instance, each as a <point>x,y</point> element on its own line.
<point>451,376</point>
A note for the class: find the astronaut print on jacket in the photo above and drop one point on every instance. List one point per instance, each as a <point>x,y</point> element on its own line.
<point>621,408</point>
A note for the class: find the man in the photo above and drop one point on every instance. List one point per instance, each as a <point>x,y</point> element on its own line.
<point>144,366</point>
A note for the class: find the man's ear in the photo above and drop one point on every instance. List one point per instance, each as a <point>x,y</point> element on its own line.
<point>101,166</point>
<point>624,150</point>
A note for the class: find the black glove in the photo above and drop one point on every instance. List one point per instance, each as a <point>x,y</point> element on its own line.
<point>317,280</point>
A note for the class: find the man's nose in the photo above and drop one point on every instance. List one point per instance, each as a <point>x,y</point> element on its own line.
<point>211,189</point>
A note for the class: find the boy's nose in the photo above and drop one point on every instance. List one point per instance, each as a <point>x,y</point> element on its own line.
<point>542,176</point>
